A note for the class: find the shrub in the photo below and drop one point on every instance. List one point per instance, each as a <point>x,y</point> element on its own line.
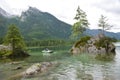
<point>103,42</point>
<point>82,41</point>
<point>5,53</point>
<point>19,53</point>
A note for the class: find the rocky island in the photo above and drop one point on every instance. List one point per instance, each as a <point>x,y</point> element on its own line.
<point>98,45</point>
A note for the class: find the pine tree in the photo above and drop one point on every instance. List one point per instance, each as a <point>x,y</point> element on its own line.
<point>82,23</point>
<point>103,24</point>
<point>14,38</point>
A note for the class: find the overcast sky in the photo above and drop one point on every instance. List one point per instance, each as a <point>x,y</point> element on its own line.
<point>65,10</point>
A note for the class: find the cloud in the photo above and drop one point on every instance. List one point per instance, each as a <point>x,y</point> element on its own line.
<point>111,9</point>
<point>65,10</point>
<point>4,5</point>
<point>112,6</point>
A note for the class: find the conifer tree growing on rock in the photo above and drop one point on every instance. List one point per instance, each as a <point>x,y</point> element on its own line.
<point>15,40</point>
<point>103,24</point>
<point>82,23</point>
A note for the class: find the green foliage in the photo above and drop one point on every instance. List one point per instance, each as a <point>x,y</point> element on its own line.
<point>82,23</point>
<point>3,23</point>
<point>5,53</point>
<point>14,37</point>
<point>1,40</point>
<point>82,41</point>
<point>103,41</point>
<point>103,23</point>
<point>113,39</point>
<point>18,53</point>
<point>15,40</point>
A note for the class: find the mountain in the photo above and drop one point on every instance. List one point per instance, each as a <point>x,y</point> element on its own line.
<point>42,25</point>
<point>94,32</point>
<point>37,25</point>
<point>4,13</point>
<point>2,22</point>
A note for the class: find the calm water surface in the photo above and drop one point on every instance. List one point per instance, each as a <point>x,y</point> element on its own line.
<point>70,68</point>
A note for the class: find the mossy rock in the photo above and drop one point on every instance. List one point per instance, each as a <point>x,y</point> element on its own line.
<point>82,41</point>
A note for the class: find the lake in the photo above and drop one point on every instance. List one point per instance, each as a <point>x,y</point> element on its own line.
<point>70,68</point>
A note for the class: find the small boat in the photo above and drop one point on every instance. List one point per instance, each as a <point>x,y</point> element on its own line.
<point>47,51</point>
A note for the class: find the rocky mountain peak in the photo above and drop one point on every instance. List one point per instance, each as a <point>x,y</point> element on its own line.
<point>4,13</point>
<point>31,11</point>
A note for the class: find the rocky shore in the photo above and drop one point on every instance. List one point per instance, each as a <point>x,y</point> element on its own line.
<point>37,68</point>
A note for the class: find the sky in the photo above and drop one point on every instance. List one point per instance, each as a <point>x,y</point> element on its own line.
<point>65,10</point>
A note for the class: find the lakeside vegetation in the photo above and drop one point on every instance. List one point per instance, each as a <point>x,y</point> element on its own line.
<point>13,45</point>
<point>21,47</point>
<point>37,40</point>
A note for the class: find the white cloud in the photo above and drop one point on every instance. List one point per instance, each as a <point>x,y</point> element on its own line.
<point>4,5</point>
<point>66,9</point>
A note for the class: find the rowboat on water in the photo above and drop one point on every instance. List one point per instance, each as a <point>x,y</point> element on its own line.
<point>47,51</point>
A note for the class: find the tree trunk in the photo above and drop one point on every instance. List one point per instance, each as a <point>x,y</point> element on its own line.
<point>13,46</point>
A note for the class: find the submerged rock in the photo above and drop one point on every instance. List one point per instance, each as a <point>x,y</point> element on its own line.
<point>34,69</point>
<point>18,67</point>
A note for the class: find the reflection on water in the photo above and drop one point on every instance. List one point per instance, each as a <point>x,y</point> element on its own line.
<point>70,68</point>
<point>73,69</point>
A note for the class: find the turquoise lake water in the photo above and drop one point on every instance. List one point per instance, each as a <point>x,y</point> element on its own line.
<point>70,67</point>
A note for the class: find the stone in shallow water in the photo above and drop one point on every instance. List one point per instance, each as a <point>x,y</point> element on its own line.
<point>34,69</point>
<point>18,67</point>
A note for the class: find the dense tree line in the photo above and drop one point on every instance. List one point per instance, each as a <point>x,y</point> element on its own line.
<point>46,43</point>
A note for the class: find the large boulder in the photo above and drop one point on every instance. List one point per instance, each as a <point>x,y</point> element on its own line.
<point>94,45</point>
<point>36,68</point>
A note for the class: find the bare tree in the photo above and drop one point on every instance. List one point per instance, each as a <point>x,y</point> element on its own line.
<point>103,24</point>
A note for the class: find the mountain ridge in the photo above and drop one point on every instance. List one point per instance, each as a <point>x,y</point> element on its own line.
<point>94,32</point>
<point>36,25</point>
<point>4,13</point>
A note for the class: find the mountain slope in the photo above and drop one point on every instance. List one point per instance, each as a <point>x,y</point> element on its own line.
<point>43,25</point>
<point>94,32</point>
<point>36,25</point>
<point>4,13</point>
